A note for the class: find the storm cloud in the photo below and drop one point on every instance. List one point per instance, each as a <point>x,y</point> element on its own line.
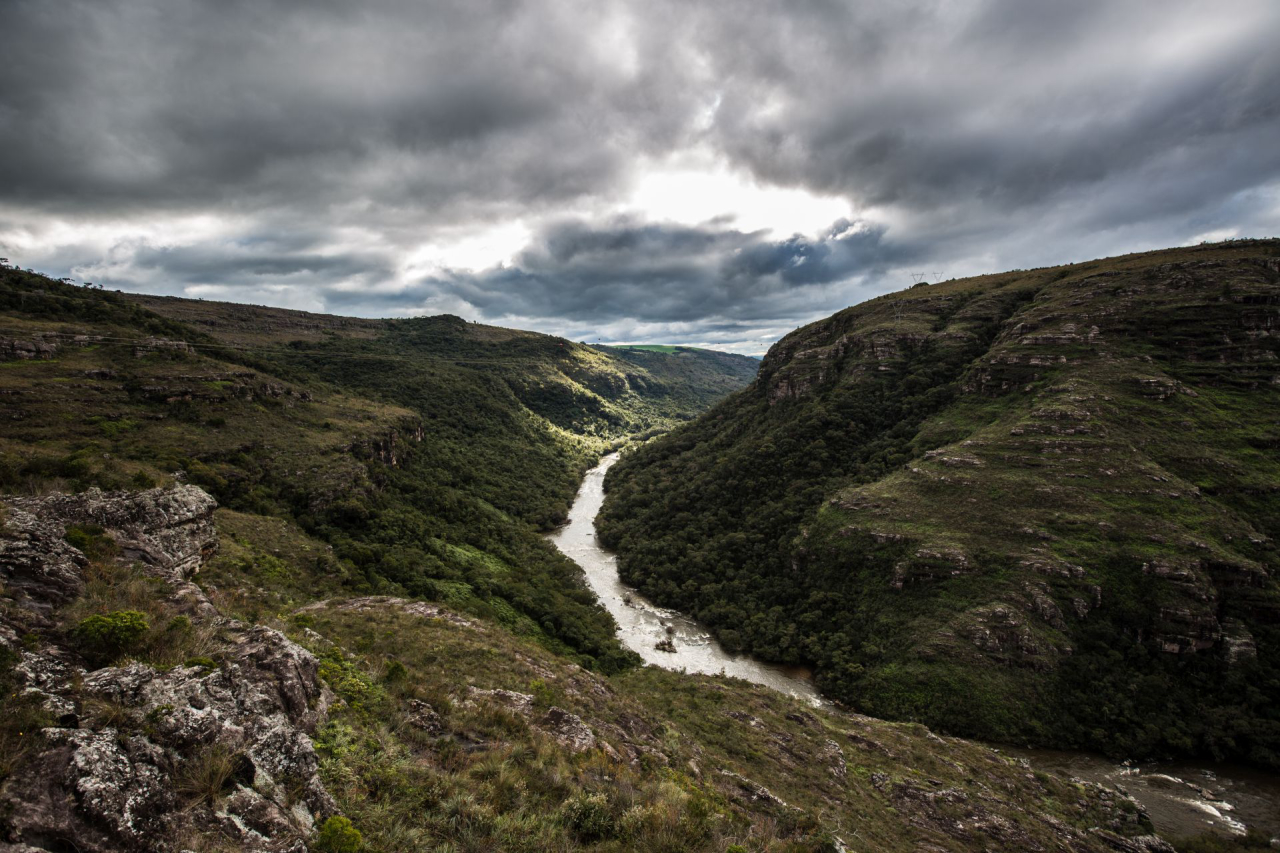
<point>493,158</point>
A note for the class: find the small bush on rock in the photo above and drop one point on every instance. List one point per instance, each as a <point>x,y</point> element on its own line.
<point>104,638</point>
<point>92,541</point>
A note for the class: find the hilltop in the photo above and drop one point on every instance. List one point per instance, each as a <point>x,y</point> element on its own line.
<point>1039,506</point>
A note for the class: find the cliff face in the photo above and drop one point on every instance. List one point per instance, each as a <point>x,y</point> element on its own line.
<point>203,732</point>
<point>992,503</point>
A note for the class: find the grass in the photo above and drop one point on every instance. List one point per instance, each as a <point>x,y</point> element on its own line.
<point>209,774</point>
<point>492,779</point>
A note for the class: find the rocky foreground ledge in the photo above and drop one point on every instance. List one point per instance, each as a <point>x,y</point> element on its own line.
<point>118,767</point>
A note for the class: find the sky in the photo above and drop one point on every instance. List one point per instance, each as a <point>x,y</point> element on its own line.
<point>708,173</point>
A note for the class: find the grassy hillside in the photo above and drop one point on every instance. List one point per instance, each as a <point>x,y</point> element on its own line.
<point>1036,506</point>
<point>429,453</point>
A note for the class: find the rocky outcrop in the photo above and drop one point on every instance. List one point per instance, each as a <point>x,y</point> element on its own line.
<point>154,345</point>
<point>393,448</point>
<point>373,603</point>
<point>37,566</point>
<point>1237,641</point>
<point>804,361</point>
<point>169,530</point>
<point>41,345</point>
<point>1186,629</point>
<point>566,728</point>
<point>1002,634</point>
<point>930,564</point>
<point>154,776</point>
<point>143,757</point>
<point>36,348</point>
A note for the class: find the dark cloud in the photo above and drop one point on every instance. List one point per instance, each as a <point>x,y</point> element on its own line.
<point>303,151</point>
<point>435,107</point>
<point>1013,105</point>
<point>592,274</point>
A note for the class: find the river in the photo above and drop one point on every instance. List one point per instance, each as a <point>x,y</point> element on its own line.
<point>1182,798</point>
<point>642,625</point>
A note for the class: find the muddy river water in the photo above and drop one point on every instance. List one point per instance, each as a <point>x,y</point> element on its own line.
<point>642,625</point>
<point>1181,798</point>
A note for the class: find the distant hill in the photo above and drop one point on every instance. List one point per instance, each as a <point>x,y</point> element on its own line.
<point>706,375</point>
<point>1036,506</point>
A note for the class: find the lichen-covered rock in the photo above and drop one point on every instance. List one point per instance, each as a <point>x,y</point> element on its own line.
<point>92,791</point>
<point>122,786</point>
<point>742,789</point>
<point>519,703</point>
<point>170,530</point>
<point>423,717</point>
<point>258,707</point>
<point>36,565</point>
<point>425,609</point>
<point>568,730</point>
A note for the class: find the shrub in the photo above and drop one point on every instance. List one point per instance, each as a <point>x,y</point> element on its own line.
<point>103,638</point>
<point>338,836</point>
<point>142,480</point>
<point>588,817</point>
<point>347,680</point>
<point>543,693</point>
<point>92,540</point>
<point>395,671</point>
